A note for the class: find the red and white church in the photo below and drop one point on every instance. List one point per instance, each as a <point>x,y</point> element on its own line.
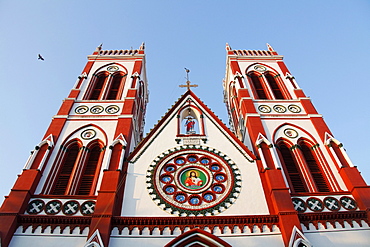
<point>277,176</point>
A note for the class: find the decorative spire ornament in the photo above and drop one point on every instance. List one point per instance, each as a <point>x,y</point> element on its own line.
<point>187,80</point>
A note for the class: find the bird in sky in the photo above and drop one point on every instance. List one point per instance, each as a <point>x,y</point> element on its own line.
<point>41,58</point>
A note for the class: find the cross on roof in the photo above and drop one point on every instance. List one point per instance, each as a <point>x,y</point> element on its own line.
<point>188,85</point>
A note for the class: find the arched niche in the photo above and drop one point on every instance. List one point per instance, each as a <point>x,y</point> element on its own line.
<point>190,121</point>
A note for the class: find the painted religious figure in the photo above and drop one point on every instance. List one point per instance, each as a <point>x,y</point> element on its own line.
<point>193,180</point>
<point>189,124</point>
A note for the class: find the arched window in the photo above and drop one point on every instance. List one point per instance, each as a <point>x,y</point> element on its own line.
<point>62,183</point>
<point>98,86</point>
<point>89,172</point>
<point>115,86</point>
<point>274,86</point>
<point>78,171</point>
<point>258,87</point>
<point>292,169</point>
<point>314,168</point>
<point>106,86</point>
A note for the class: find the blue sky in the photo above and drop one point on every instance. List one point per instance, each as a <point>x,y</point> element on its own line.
<point>324,43</point>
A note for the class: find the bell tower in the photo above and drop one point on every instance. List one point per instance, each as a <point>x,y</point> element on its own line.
<point>301,160</point>
<point>77,168</point>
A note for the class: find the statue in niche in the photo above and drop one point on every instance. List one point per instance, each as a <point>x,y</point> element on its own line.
<point>189,124</point>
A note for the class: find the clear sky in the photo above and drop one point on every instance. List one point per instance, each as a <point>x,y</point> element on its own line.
<point>325,46</point>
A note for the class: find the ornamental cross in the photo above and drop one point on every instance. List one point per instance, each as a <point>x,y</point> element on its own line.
<point>187,81</point>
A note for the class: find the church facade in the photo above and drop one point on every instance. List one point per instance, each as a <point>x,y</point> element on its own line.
<point>277,176</point>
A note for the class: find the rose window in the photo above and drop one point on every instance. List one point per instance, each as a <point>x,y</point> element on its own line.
<point>193,181</point>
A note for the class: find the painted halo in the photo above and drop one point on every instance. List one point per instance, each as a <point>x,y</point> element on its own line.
<point>193,181</point>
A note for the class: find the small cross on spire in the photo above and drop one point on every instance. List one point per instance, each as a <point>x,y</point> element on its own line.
<point>187,80</point>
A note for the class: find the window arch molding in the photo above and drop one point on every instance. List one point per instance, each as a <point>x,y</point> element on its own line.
<point>105,84</point>
<point>308,156</point>
<point>280,132</point>
<point>66,160</point>
<point>276,85</point>
<point>258,86</point>
<point>292,168</point>
<point>88,169</point>
<point>97,85</point>
<point>86,143</point>
<point>265,82</point>
<point>115,85</point>
<point>314,164</point>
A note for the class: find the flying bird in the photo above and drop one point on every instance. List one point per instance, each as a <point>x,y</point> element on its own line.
<point>41,58</point>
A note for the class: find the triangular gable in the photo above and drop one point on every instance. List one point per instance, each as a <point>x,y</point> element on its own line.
<point>95,240</point>
<point>197,237</point>
<point>297,239</point>
<point>172,113</point>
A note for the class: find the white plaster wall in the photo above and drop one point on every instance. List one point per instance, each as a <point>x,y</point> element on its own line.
<point>137,201</point>
<point>138,242</point>
<point>260,240</point>
<point>340,238</point>
<point>47,241</point>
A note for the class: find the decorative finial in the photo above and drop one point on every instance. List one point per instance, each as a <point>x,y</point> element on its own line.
<point>269,47</point>
<point>99,47</point>
<point>142,47</point>
<point>228,48</point>
<point>187,80</point>
<point>187,73</point>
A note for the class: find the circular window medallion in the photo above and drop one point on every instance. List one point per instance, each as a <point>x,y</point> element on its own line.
<point>193,181</point>
<point>264,108</point>
<point>88,134</point>
<point>315,204</point>
<point>112,109</point>
<point>291,133</point>
<point>294,108</point>
<point>348,203</point>
<point>299,204</point>
<point>53,207</point>
<point>96,109</point>
<point>279,108</point>
<point>82,109</point>
<point>332,203</point>
<point>260,68</point>
<point>35,206</point>
<point>112,68</point>
<point>71,207</point>
<point>87,207</point>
